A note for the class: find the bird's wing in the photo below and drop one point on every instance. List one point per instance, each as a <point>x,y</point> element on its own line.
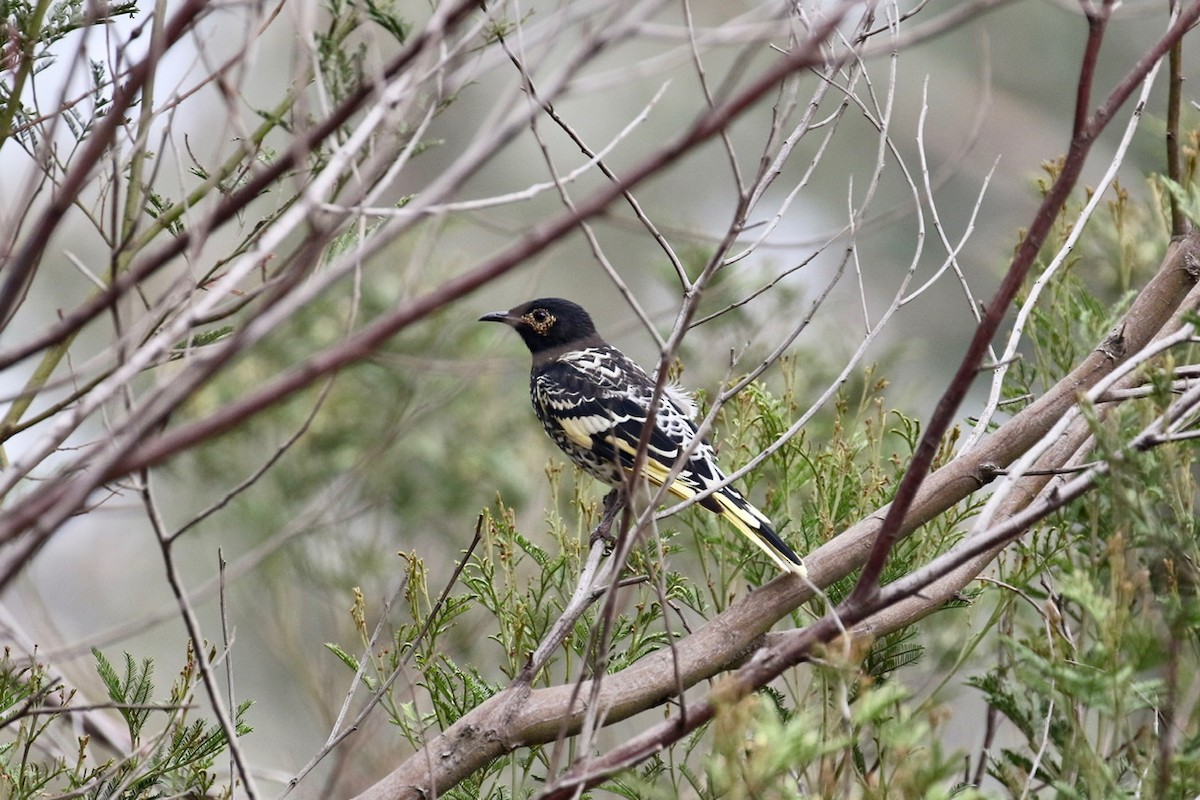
<point>601,401</point>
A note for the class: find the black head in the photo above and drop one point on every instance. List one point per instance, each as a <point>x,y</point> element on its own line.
<point>547,323</point>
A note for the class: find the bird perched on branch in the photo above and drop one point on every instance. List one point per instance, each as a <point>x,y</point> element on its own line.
<point>594,401</point>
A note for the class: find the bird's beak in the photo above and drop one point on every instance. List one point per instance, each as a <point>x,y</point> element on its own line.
<point>500,316</point>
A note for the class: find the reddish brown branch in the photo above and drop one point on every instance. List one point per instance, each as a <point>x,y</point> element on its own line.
<point>1097,22</point>
<point>1174,158</point>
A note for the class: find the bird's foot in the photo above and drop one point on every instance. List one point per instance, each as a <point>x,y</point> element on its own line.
<point>603,531</point>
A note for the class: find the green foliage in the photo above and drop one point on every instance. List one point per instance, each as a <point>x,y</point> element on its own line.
<point>1097,628</point>
<point>341,60</point>
<point>174,758</point>
<point>1186,198</point>
<point>131,693</point>
<point>519,577</point>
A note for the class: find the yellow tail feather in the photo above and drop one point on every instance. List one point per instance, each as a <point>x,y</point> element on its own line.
<point>744,519</point>
<point>748,526</point>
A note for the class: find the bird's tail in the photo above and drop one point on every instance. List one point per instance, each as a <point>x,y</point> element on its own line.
<point>749,521</point>
<point>755,526</point>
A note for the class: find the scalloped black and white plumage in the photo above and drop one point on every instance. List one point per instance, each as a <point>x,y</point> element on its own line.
<point>593,401</point>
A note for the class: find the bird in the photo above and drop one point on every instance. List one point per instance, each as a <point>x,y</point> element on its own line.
<point>594,402</point>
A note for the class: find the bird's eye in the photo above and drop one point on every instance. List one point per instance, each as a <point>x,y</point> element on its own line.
<point>540,320</point>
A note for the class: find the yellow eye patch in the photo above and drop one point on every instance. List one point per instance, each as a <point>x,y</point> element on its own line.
<point>541,321</point>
